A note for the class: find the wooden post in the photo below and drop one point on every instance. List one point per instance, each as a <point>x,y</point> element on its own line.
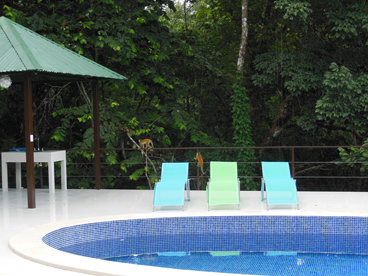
<point>28,117</point>
<point>96,125</point>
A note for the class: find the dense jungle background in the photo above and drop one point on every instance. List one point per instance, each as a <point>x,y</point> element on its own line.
<point>203,73</point>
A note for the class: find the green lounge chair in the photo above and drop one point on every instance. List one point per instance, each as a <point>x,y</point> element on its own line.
<point>170,190</point>
<point>224,185</point>
<point>278,183</point>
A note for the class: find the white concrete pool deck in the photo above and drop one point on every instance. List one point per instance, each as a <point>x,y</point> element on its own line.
<point>84,205</point>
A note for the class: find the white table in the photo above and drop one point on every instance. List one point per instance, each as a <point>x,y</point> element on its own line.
<point>48,156</point>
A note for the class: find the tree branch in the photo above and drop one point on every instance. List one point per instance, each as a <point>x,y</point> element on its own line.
<point>144,152</point>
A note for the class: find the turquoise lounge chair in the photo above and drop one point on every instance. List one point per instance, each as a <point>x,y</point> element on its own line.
<point>224,185</point>
<point>278,183</point>
<point>170,190</point>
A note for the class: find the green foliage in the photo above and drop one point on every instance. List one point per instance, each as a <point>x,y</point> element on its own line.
<point>348,20</point>
<point>130,38</point>
<point>356,163</point>
<point>12,118</point>
<point>296,72</point>
<point>345,101</point>
<point>354,156</point>
<point>305,81</point>
<point>296,67</point>
<point>297,11</point>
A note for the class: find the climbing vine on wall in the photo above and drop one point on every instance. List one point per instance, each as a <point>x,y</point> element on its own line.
<point>243,131</point>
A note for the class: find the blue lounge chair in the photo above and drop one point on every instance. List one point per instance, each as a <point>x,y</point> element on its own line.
<point>278,183</point>
<point>170,190</point>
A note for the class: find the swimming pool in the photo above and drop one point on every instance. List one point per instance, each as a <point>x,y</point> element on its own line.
<point>310,234</point>
<point>346,234</point>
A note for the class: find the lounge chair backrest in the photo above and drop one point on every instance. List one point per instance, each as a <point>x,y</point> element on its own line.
<point>170,190</point>
<point>278,184</point>
<point>276,170</point>
<point>224,171</point>
<point>223,186</point>
<point>174,172</point>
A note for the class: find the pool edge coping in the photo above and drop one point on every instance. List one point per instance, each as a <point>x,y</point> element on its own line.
<point>29,245</point>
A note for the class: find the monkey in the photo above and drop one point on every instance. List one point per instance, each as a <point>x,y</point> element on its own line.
<point>63,25</point>
<point>145,144</point>
<point>200,161</point>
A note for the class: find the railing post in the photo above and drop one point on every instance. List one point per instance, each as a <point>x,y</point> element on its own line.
<point>198,181</point>
<point>293,162</point>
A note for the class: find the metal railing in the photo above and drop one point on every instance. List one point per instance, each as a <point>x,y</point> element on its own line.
<point>324,169</point>
<point>295,157</point>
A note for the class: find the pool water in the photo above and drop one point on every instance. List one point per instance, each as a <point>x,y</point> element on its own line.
<point>267,263</point>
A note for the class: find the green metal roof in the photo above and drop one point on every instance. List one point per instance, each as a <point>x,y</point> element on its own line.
<point>22,50</point>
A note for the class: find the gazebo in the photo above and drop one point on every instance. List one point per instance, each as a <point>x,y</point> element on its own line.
<point>27,57</point>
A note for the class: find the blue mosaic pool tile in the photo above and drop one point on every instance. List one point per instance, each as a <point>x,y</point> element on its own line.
<point>258,263</point>
<point>233,233</point>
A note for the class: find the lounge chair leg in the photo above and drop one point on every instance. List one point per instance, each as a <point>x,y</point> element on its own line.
<point>263,190</point>
<point>188,190</point>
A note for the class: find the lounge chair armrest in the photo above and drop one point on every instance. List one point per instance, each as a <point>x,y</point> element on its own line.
<point>157,182</point>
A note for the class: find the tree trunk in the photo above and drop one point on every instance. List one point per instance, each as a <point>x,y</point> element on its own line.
<point>244,36</point>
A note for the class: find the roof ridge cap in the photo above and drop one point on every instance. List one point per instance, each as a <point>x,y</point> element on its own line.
<point>18,44</point>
